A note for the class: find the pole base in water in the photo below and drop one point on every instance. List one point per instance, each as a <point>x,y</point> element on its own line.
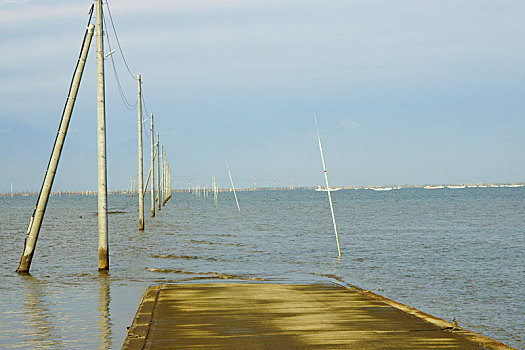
<point>103,259</point>
<point>24,264</point>
<point>141,225</point>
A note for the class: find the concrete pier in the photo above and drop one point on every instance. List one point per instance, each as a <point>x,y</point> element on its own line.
<point>276,316</point>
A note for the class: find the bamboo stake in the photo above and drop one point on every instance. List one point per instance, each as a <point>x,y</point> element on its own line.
<point>133,185</point>
<point>233,187</point>
<point>130,186</point>
<point>327,187</point>
<point>214,190</point>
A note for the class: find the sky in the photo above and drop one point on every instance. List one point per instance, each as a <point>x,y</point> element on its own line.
<point>406,92</point>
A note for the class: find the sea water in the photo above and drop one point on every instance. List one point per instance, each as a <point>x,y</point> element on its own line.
<point>453,253</point>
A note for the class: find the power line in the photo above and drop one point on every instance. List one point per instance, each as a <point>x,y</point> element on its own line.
<point>127,104</point>
<point>118,42</point>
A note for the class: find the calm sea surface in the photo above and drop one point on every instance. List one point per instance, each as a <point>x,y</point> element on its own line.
<point>448,252</point>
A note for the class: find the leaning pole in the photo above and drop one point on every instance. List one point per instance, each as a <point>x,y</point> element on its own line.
<point>40,208</point>
<point>103,248</point>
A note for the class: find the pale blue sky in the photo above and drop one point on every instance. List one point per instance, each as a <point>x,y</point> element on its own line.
<point>411,91</point>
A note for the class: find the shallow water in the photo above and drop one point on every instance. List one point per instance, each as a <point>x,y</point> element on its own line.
<point>451,253</point>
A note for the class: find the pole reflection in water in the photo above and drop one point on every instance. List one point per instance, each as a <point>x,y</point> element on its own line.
<point>40,320</point>
<point>104,299</point>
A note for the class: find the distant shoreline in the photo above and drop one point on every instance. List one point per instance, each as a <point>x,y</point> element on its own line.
<point>287,188</point>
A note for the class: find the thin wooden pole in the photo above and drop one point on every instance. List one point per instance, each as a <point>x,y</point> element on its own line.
<point>233,187</point>
<point>214,190</point>
<point>152,167</point>
<point>133,187</point>
<point>130,186</point>
<point>140,192</point>
<point>327,186</point>
<point>40,208</point>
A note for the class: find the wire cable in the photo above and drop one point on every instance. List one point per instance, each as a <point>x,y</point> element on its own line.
<point>127,104</point>
<point>118,42</point>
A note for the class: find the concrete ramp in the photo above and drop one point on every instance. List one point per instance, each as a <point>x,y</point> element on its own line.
<point>276,316</point>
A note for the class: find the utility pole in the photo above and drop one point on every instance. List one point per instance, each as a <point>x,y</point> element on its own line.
<point>163,182</point>
<point>103,249</point>
<point>158,173</point>
<point>169,182</point>
<point>152,166</point>
<point>40,208</point>
<point>166,185</point>
<point>141,184</point>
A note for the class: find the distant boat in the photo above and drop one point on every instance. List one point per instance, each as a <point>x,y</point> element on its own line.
<point>513,185</point>
<point>456,186</point>
<point>332,189</point>
<point>382,188</point>
<point>433,187</point>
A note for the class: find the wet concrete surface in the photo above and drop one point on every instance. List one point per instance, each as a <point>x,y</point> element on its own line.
<point>278,316</point>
